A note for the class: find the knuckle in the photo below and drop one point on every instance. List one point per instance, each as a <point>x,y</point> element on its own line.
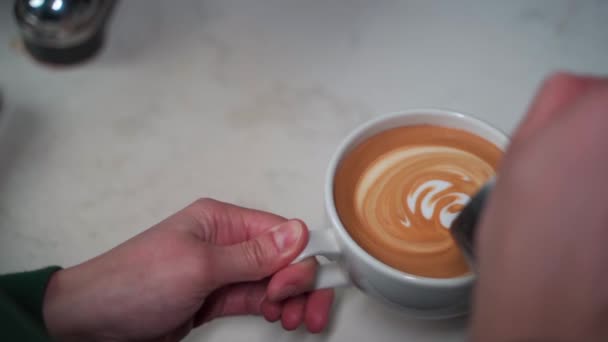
<point>206,211</point>
<point>204,203</point>
<point>560,77</point>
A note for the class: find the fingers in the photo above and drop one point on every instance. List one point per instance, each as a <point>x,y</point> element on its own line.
<point>318,308</point>
<point>311,309</point>
<point>292,280</point>
<point>272,310</point>
<point>226,224</point>
<point>557,93</point>
<point>260,257</point>
<point>233,300</point>
<point>248,245</point>
<point>291,284</point>
<point>293,312</point>
<point>249,299</point>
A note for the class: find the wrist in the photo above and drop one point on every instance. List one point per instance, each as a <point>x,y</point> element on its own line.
<point>65,316</point>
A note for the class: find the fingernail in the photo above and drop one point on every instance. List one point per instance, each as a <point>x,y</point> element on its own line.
<point>287,234</point>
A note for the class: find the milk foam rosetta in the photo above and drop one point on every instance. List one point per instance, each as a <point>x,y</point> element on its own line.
<point>406,186</point>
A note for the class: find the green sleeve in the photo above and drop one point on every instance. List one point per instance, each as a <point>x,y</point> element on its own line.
<point>21,299</point>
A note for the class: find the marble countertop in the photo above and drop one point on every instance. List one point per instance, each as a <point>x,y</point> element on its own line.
<point>245,101</point>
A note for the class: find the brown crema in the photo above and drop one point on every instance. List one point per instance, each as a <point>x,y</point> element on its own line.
<point>398,192</point>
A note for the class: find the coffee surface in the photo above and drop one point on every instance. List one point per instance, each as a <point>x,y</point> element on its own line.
<point>398,192</point>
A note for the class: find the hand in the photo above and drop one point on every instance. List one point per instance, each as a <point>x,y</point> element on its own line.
<point>209,260</point>
<point>542,240</point>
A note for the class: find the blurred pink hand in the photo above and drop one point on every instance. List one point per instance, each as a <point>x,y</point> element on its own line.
<point>542,239</point>
<point>209,260</point>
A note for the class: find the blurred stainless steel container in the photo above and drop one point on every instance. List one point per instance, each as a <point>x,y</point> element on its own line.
<point>62,31</point>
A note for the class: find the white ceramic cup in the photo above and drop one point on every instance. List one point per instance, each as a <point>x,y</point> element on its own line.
<point>352,265</point>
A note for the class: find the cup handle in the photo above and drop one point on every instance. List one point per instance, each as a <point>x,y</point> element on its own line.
<point>329,275</point>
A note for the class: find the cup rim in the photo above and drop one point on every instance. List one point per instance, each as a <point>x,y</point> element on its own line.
<point>346,143</point>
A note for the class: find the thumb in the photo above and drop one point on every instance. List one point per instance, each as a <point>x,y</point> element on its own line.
<point>260,257</point>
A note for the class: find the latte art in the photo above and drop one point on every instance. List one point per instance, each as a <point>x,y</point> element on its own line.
<point>448,213</point>
<point>406,186</point>
<point>409,193</point>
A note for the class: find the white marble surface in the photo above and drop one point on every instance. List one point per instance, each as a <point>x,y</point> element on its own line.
<point>245,101</point>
